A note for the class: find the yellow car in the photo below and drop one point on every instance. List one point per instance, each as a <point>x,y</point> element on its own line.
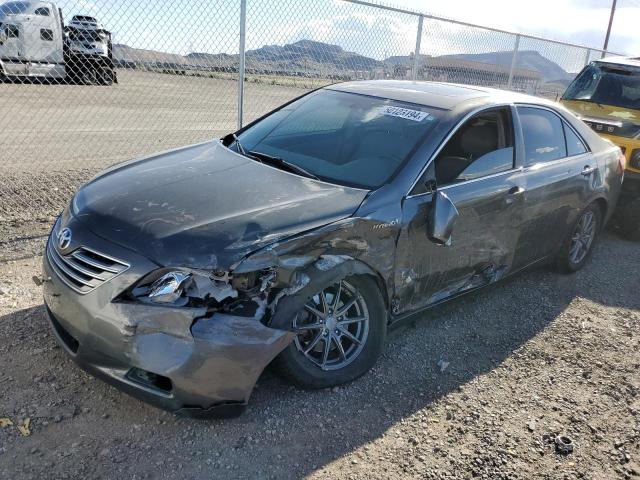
<point>606,96</point>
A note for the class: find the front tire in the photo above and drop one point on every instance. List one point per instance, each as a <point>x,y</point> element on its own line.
<point>578,245</point>
<point>340,335</point>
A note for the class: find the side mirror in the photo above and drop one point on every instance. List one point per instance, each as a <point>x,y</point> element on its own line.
<point>3,36</point>
<point>442,218</point>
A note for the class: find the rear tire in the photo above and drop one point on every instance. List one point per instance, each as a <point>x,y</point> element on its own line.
<point>105,76</point>
<point>347,360</point>
<point>580,240</point>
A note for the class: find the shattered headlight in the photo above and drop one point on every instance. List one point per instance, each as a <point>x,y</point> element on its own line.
<point>184,287</point>
<point>168,288</point>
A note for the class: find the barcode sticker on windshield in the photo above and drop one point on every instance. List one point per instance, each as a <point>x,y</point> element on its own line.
<point>406,113</point>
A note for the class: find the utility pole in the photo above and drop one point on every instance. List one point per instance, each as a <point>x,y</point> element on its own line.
<point>606,39</point>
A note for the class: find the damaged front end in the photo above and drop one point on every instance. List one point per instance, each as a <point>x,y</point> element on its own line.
<point>195,340</point>
<point>251,295</point>
<point>186,340</point>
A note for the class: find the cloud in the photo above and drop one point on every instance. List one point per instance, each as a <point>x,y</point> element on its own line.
<point>379,34</point>
<point>583,21</point>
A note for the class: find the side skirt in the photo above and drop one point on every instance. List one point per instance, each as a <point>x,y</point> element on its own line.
<point>403,319</point>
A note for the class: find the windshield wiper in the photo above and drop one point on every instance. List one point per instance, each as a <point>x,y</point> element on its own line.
<point>236,140</point>
<point>232,138</point>
<point>281,163</point>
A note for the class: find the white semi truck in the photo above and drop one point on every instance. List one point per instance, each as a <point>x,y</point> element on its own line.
<point>34,42</point>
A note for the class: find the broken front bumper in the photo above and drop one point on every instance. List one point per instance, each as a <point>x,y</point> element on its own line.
<point>173,358</point>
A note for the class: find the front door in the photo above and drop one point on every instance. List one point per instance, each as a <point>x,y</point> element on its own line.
<point>42,37</point>
<point>476,169</point>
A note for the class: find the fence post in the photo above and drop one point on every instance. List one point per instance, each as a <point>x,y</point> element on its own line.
<point>514,59</point>
<point>242,52</point>
<point>416,55</point>
<point>587,57</point>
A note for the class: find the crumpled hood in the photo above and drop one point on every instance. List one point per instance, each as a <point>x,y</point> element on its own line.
<point>205,206</point>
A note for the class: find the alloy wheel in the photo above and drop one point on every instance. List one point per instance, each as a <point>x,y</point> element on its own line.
<point>582,237</point>
<point>334,326</point>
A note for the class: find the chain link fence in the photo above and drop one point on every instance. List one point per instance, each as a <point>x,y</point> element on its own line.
<point>86,85</point>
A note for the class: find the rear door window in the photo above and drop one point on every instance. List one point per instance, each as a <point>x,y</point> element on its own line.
<point>543,135</point>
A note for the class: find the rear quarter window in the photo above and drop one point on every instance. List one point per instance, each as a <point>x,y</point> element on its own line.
<point>575,145</point>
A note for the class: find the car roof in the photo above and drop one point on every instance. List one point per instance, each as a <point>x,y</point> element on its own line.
<point>626,61</point>
<point>435,94</point>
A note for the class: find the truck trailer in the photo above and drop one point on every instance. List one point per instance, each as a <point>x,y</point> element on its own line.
<point>34,42</point>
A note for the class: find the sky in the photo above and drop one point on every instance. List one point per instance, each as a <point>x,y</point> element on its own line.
<point>183,26</point>
<point>576,21</point>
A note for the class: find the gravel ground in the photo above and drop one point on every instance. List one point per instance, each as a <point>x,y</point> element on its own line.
<point>479,388</point>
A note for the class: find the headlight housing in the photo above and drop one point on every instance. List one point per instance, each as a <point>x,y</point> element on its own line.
<point>169,288</point>
<point>183,287</point>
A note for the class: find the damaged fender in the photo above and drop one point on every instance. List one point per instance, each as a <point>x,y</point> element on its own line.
<point>306,264</point>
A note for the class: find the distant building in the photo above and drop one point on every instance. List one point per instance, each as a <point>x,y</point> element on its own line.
<point>477,73</point>
<point>455,70</point>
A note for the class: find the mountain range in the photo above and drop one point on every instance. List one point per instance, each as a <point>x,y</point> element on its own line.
<point>325,59</point>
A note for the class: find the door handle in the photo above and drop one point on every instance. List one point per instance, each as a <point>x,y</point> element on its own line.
<point>513,193</point>
<point>587,170</point>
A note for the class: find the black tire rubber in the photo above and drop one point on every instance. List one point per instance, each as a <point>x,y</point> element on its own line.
<point>297,369</point>
<point>105,76</point>
<point>563,263</point>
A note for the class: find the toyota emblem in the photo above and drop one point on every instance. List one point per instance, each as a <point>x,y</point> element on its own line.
<point>64,238</point>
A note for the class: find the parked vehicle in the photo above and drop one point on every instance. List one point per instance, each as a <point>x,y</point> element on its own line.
<point>85,22</point>
<point>307,234</point>
<point>606,95</point>
<point>34,42</point>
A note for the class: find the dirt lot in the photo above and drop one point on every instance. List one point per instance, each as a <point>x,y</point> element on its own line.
<point>83,126</point>
<point>477,388</point>
<point>53,137</point>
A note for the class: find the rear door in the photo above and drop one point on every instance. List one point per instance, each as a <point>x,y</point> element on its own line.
<point>560,176</point>
<point>477,170</point>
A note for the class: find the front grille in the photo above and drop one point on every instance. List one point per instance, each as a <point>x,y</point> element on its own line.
<point>84,269</point>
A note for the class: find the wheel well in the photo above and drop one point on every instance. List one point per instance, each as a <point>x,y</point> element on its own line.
<point>370,272</point>
<point>381,287</point>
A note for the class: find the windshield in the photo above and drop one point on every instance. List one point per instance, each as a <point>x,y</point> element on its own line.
<point>607,84</point>
<point>13,8</point>
<point>345,138</point>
